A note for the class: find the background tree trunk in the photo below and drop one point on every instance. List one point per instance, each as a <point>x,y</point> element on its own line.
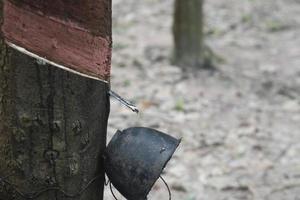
<point>52,129</point>
<point>188,33</point>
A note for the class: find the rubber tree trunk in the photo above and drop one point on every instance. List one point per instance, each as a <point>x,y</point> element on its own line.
<point>188,33</point>
<point>52,130</point>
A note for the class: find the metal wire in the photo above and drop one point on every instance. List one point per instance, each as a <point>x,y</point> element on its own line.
<point>111,190</point>
<point>166,184</point>
<point>5,177</point>
<point>37,194</point>
<point>164,181</point>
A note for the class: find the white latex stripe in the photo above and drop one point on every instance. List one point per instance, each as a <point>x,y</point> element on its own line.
<point>25,51</point>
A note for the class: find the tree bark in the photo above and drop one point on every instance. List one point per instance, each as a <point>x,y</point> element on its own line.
<point>188,33</point>
<point>52,130</point>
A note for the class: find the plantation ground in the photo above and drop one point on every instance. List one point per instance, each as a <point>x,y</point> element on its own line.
<point>240,123</point>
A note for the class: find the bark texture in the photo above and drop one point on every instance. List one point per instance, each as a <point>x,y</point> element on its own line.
<point>188,33</point>
<point>94,15</point>
<point>52,130</point>
<point>79,36</point>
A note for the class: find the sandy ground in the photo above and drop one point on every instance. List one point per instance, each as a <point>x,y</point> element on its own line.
<point>240,124</point>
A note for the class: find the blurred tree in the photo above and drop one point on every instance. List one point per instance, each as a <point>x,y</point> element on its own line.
<point>188,34</point>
